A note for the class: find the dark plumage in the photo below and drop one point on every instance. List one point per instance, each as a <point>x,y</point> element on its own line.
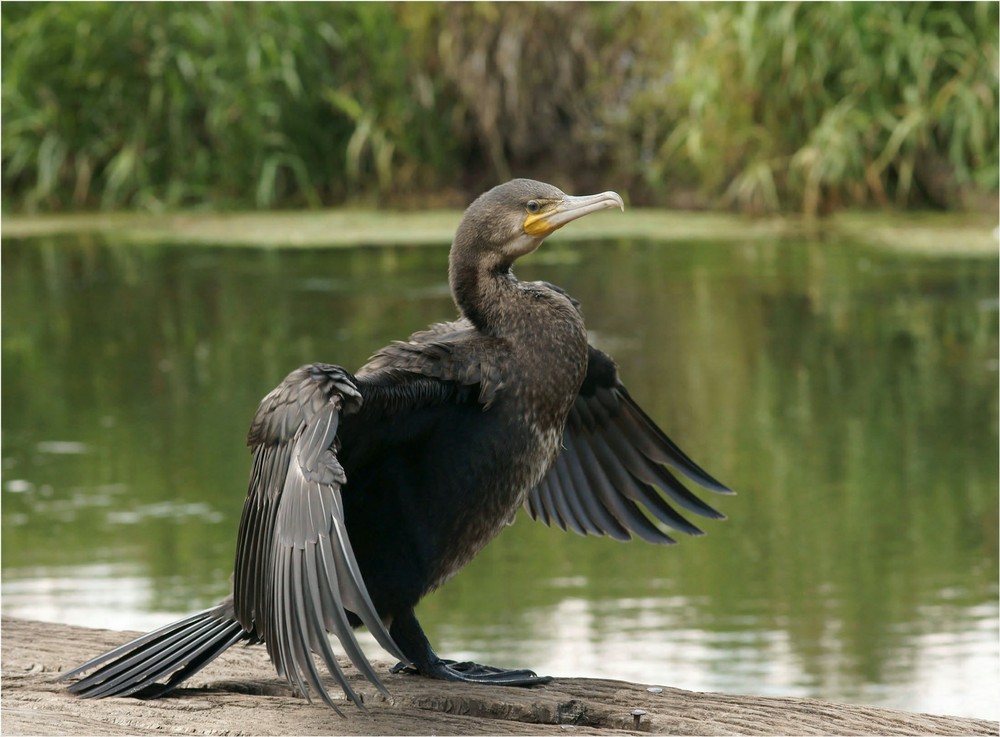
<point>369,491</point>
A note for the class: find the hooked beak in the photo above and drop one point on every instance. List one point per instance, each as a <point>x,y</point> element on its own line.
<point>568,209</point>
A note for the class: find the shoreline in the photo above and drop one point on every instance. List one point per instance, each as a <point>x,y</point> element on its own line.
<point>964,234</point>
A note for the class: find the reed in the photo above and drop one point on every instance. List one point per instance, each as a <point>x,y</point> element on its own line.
<point>758,107</point>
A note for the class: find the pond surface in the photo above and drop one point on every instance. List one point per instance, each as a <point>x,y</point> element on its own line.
<point>848,394</point>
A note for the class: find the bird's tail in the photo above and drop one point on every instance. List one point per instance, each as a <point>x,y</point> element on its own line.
<point>178,651</point>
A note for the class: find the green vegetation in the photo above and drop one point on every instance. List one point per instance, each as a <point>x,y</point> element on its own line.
<point>758,107</point>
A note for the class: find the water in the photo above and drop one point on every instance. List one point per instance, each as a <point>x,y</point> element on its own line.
<point>848,394</point>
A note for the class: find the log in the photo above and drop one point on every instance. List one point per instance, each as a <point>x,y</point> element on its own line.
<point>240,694</point>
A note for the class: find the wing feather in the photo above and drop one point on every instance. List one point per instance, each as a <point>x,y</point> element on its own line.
<point>566,508</point>
<point>622,508</point>
<point>538,504</point>
<point>612,476</point>
<point>603,521</point>
<point>296,573</point>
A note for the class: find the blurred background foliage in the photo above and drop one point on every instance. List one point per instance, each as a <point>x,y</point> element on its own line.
<point>760,107</point>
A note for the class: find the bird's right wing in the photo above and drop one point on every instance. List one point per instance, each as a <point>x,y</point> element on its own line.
<point>453,352</point>
<point>295,570</point>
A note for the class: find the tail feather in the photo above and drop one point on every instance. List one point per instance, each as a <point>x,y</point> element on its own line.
<point>176,651</point>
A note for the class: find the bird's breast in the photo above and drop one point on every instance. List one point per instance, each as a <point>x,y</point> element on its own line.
<point>551,364</point>
<point>542,373</point>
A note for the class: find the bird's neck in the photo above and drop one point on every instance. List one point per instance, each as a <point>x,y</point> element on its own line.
<point>483,292</point>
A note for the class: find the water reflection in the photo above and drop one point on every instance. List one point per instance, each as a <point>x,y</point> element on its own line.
<point>112,596</point>
<point>850,395</point>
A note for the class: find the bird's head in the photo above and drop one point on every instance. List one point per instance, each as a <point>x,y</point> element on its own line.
<point>512,219</point>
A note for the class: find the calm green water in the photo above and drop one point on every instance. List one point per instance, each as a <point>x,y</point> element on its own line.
<point>848,394</point>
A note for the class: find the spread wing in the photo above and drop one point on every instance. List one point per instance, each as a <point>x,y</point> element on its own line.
<point>613,469</point>
<point>295,570</point>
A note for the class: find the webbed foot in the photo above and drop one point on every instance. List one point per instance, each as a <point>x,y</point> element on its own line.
<point>467,672</point>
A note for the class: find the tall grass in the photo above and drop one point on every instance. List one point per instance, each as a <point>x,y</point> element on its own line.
<point>162,105</point>
<point>818,105</point>
<point>759,107</point>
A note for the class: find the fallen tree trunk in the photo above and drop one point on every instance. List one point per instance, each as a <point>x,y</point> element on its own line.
<point>240,694</point>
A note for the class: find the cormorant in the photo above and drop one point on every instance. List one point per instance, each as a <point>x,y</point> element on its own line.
<point>370,490</point>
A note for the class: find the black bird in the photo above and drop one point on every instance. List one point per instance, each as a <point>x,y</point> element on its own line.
<point>369,491</point>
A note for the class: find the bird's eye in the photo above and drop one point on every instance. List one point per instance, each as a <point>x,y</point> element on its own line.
<point>533,206</point>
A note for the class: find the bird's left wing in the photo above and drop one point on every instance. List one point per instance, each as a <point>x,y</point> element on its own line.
<point>614,468</point>
<point>296,573</point>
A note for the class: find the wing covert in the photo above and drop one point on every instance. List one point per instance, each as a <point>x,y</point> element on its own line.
<point>452,352</point>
